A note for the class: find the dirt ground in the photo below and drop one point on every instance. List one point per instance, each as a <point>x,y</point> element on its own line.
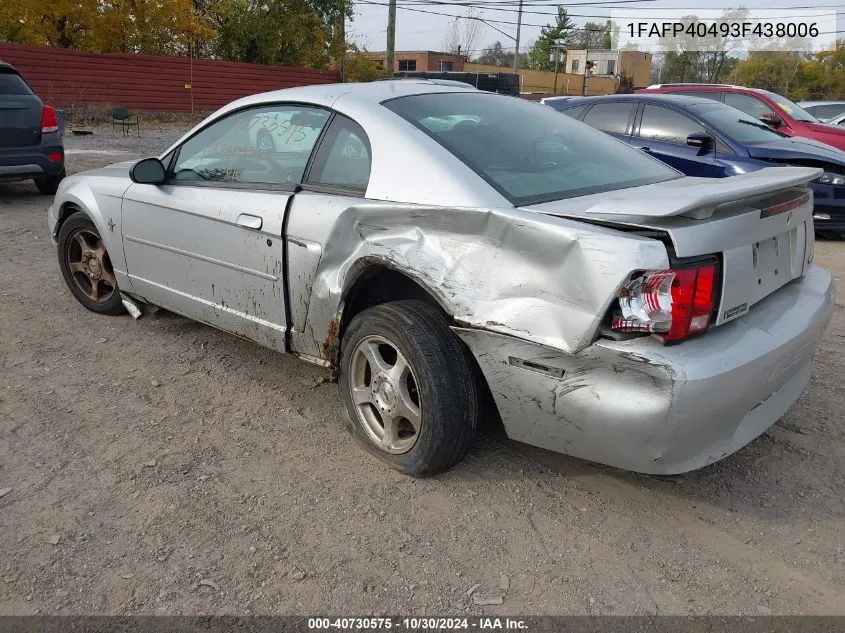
<point>160,466</point>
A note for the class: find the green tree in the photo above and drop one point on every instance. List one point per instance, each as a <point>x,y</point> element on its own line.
<point>593,35</point>
<point>495,55</point>
<point>284,32</point>
<point>540,56</point>
<point>360,66</point>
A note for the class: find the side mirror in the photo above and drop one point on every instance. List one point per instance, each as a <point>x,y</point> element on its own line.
<point>149,171</point>
<point>701,140</point>
<point>770,118</point>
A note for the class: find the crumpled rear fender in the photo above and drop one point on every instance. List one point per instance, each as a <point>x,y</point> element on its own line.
<point>541,278</point>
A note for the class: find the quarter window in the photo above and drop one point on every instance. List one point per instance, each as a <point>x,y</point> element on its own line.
<point>343,159</point>
<point>610,117</point>
<point>664,124</point>
<point>270,145</point>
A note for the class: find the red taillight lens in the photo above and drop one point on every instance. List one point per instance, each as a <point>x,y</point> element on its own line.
<point>55,157</point>
<point>675,303</point>
<point>49,120</point>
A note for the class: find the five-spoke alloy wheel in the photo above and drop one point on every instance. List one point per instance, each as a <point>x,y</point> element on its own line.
<point>409,387</point>
<point>86,266</point>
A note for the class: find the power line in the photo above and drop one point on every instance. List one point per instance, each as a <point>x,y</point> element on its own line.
<point>486,7</point>
<point>509,22</point>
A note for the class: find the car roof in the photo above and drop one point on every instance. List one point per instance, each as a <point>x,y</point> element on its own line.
<point>373,92</point>
<point>702,87</point>
<point>820,103</point>
<point>657,97</point>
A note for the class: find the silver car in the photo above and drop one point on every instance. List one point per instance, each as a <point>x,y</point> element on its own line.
<point>454,256</point>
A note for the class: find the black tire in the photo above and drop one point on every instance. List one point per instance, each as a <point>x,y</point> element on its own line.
<point>47,185</point>
<point>444,377</point>
<point>76,227</point>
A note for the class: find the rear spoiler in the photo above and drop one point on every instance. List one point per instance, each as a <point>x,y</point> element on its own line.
<point>698,198</point>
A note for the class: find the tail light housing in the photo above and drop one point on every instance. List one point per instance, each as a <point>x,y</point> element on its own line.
<point>49,120</point>
<point>675,303</point>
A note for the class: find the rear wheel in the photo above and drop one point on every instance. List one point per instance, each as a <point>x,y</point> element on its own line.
<point>86,266</point>
<point>408,387</point>
<point>47,185</point>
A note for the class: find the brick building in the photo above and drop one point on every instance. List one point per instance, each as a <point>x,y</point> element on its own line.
<point>431,61</point>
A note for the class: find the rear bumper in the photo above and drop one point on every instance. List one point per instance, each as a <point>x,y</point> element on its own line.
<point>27,162</point>
<point>647,407</point>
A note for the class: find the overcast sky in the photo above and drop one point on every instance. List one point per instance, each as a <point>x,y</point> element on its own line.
<point>421,31</point>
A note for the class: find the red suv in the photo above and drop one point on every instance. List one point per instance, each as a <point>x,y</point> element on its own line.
<point>778,112</point>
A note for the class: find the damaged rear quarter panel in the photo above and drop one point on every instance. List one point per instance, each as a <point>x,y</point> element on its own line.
<point>541,278</point>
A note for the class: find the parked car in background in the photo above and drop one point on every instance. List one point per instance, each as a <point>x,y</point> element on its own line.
<point>824,110</point>
<point>703,137</point>
<point>30,135</point>
<point>774,110</point>
<point>482,254</point>
<point>838,120</point>
<point>550,100</point>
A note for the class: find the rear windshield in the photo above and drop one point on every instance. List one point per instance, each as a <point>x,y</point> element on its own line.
<point>12,84</point>
<point>527,152</point>
<point>735,124</point>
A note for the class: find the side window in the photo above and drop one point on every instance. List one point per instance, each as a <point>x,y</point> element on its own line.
<point>665,124</point>
<point>749,105</point>
<point>343,159</point>
<point>575,112</point>
<point>610,117</point>
<point>269,145</point>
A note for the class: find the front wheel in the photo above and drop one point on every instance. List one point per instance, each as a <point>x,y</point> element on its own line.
<point>408,387</point>
<point>86,266</point>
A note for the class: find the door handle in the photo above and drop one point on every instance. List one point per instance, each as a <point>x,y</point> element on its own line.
<point>249,221</point>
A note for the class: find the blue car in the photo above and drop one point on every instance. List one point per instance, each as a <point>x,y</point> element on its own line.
<point>707,138</point>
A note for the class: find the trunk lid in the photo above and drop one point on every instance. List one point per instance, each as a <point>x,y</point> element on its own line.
<point>759,224</point>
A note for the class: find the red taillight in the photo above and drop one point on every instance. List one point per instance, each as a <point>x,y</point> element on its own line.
<point>55,157</point>
<point>675,303</point>
<point>49,120</point>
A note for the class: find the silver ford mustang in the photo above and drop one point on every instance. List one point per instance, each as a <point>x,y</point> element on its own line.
<point>453,256</point>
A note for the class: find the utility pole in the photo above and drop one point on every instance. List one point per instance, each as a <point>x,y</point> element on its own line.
<point>391,34</point>
<point>516,48</point>
<point>342,40</point>
<point>587,71</point>
<point>557,59</point>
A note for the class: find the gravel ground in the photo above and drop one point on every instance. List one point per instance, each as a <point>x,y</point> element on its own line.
<point>161,466</point>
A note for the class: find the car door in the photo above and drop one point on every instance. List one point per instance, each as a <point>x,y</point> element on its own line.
<point>336,181</point>
<point>662,132</point>
<point>207,244</point>
<point>612,116</point>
